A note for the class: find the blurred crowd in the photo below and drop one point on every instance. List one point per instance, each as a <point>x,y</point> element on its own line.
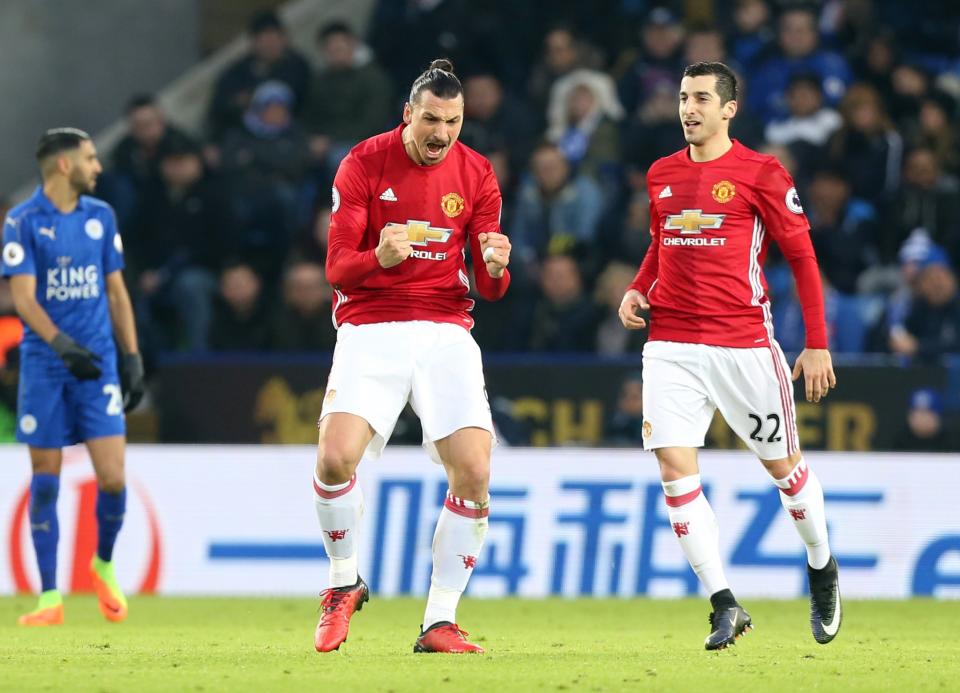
<point>226,231</point>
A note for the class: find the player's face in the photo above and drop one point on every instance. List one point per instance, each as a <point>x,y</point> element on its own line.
<point>434,125</point>
<point>701,113</point>
<point>84,168</point>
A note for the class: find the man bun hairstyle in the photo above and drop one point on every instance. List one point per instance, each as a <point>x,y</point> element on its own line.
<point>58,140</point>
<point>726,80</point>
<point>438,79</point>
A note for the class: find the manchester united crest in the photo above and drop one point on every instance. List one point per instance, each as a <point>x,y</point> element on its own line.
<point>452,204</point>
<point>724,191</point>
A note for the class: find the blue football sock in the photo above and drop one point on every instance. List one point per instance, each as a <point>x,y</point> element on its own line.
<point>44,527</point>
<point>110,510</point>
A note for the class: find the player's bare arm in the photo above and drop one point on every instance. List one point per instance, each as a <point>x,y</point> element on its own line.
<point>394,245</point>
<point>496,252</point>
<point>24,289</point>
<point>121,313</point>
<point>78,359</point>
<point>632,302</point>
<point>817,368</point>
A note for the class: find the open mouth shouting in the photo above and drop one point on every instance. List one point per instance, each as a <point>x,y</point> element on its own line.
<point>434,150</point>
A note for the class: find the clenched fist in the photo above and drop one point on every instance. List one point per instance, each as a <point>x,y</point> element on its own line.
<point>394,245</point>
<point>496,252</point>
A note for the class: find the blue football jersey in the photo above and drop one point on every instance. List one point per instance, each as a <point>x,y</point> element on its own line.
<point>70,255</point>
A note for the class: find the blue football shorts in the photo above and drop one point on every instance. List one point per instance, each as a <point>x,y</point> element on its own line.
<point>54,409</point>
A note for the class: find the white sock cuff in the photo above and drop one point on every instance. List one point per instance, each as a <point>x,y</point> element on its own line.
<point>467,508</point>
<point>681,486</point>
<point>794,482</point>
<point>330,491</point>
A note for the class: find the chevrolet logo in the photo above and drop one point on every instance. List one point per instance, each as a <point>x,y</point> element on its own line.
<point>421,233</point>
<point>693,221</point>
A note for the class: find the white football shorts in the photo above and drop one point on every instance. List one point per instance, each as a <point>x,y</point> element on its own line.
<point>437,367</point>
<point>684,384</point>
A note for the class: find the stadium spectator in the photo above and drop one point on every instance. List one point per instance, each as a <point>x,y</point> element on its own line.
<point>611,338</point>
<point>582,118</point>
<point>137,155</point>
<point>705,44</point>
<point>928,199</point>
<point>133,172</point>
<point>565,318</point>
<point>563,52</point>
<point>797,52</point>
<point>844,230</point>
<point>173,250</point>
<point>266,162</point>
<point>867,148</point>
<point>876,62</point>
<point>627,237</point>
<point>935,130</point>
<point>659,62</point>
<point>845,316</point>
<point>810,124</point>
<point>407,35</point>
<point>312,243</point>
<point>751,35</point>
<point>651,133</point>
<point>624,427</point>
<point>910,84</point>
<point>499,159</point>
<point>915,253</point>
<point>554,209</point>
<point>925,430</point>
<point>495,121</point>
<point>240,315</point>
<point>349,99</point>
<point>932,325</point>
<point>270,59</point>
<point>304,320</point>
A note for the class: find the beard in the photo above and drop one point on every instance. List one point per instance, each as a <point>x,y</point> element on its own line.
<point>83,185</point>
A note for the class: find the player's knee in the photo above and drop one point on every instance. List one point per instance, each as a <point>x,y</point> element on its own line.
<point>473,481</point>
<point>111,482</point>
<point>336,465</point>
<point>779,469</point>
<point>676,463</point>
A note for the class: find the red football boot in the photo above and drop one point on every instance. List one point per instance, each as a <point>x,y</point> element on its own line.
<point>445,637</point>
<point>338,606</point>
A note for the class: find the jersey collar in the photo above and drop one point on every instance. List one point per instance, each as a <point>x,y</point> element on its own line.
<point>736,147</point>
<point>42,201</point>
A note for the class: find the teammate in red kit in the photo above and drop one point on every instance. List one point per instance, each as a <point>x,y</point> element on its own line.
<point>406,205</point>
<point>714,206</point>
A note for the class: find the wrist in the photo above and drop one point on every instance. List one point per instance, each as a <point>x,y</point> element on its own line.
<point>61,342</point>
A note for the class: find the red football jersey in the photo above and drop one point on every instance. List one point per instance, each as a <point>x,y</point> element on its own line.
<point>711,223</point>
<point>443,205</point>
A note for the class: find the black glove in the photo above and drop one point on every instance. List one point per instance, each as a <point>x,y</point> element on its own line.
<point>80,361</point>
<point>131,380</point>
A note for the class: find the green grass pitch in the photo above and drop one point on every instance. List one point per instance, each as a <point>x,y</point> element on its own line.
<point>264,645</point>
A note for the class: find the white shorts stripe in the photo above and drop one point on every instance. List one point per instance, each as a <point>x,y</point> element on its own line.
<point>790,413</point>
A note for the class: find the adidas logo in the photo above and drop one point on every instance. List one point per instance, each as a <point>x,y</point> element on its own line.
<point>666,192</point>
<point>388,195</point>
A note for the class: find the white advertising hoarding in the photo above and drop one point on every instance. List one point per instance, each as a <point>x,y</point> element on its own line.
<point>240,520</point>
